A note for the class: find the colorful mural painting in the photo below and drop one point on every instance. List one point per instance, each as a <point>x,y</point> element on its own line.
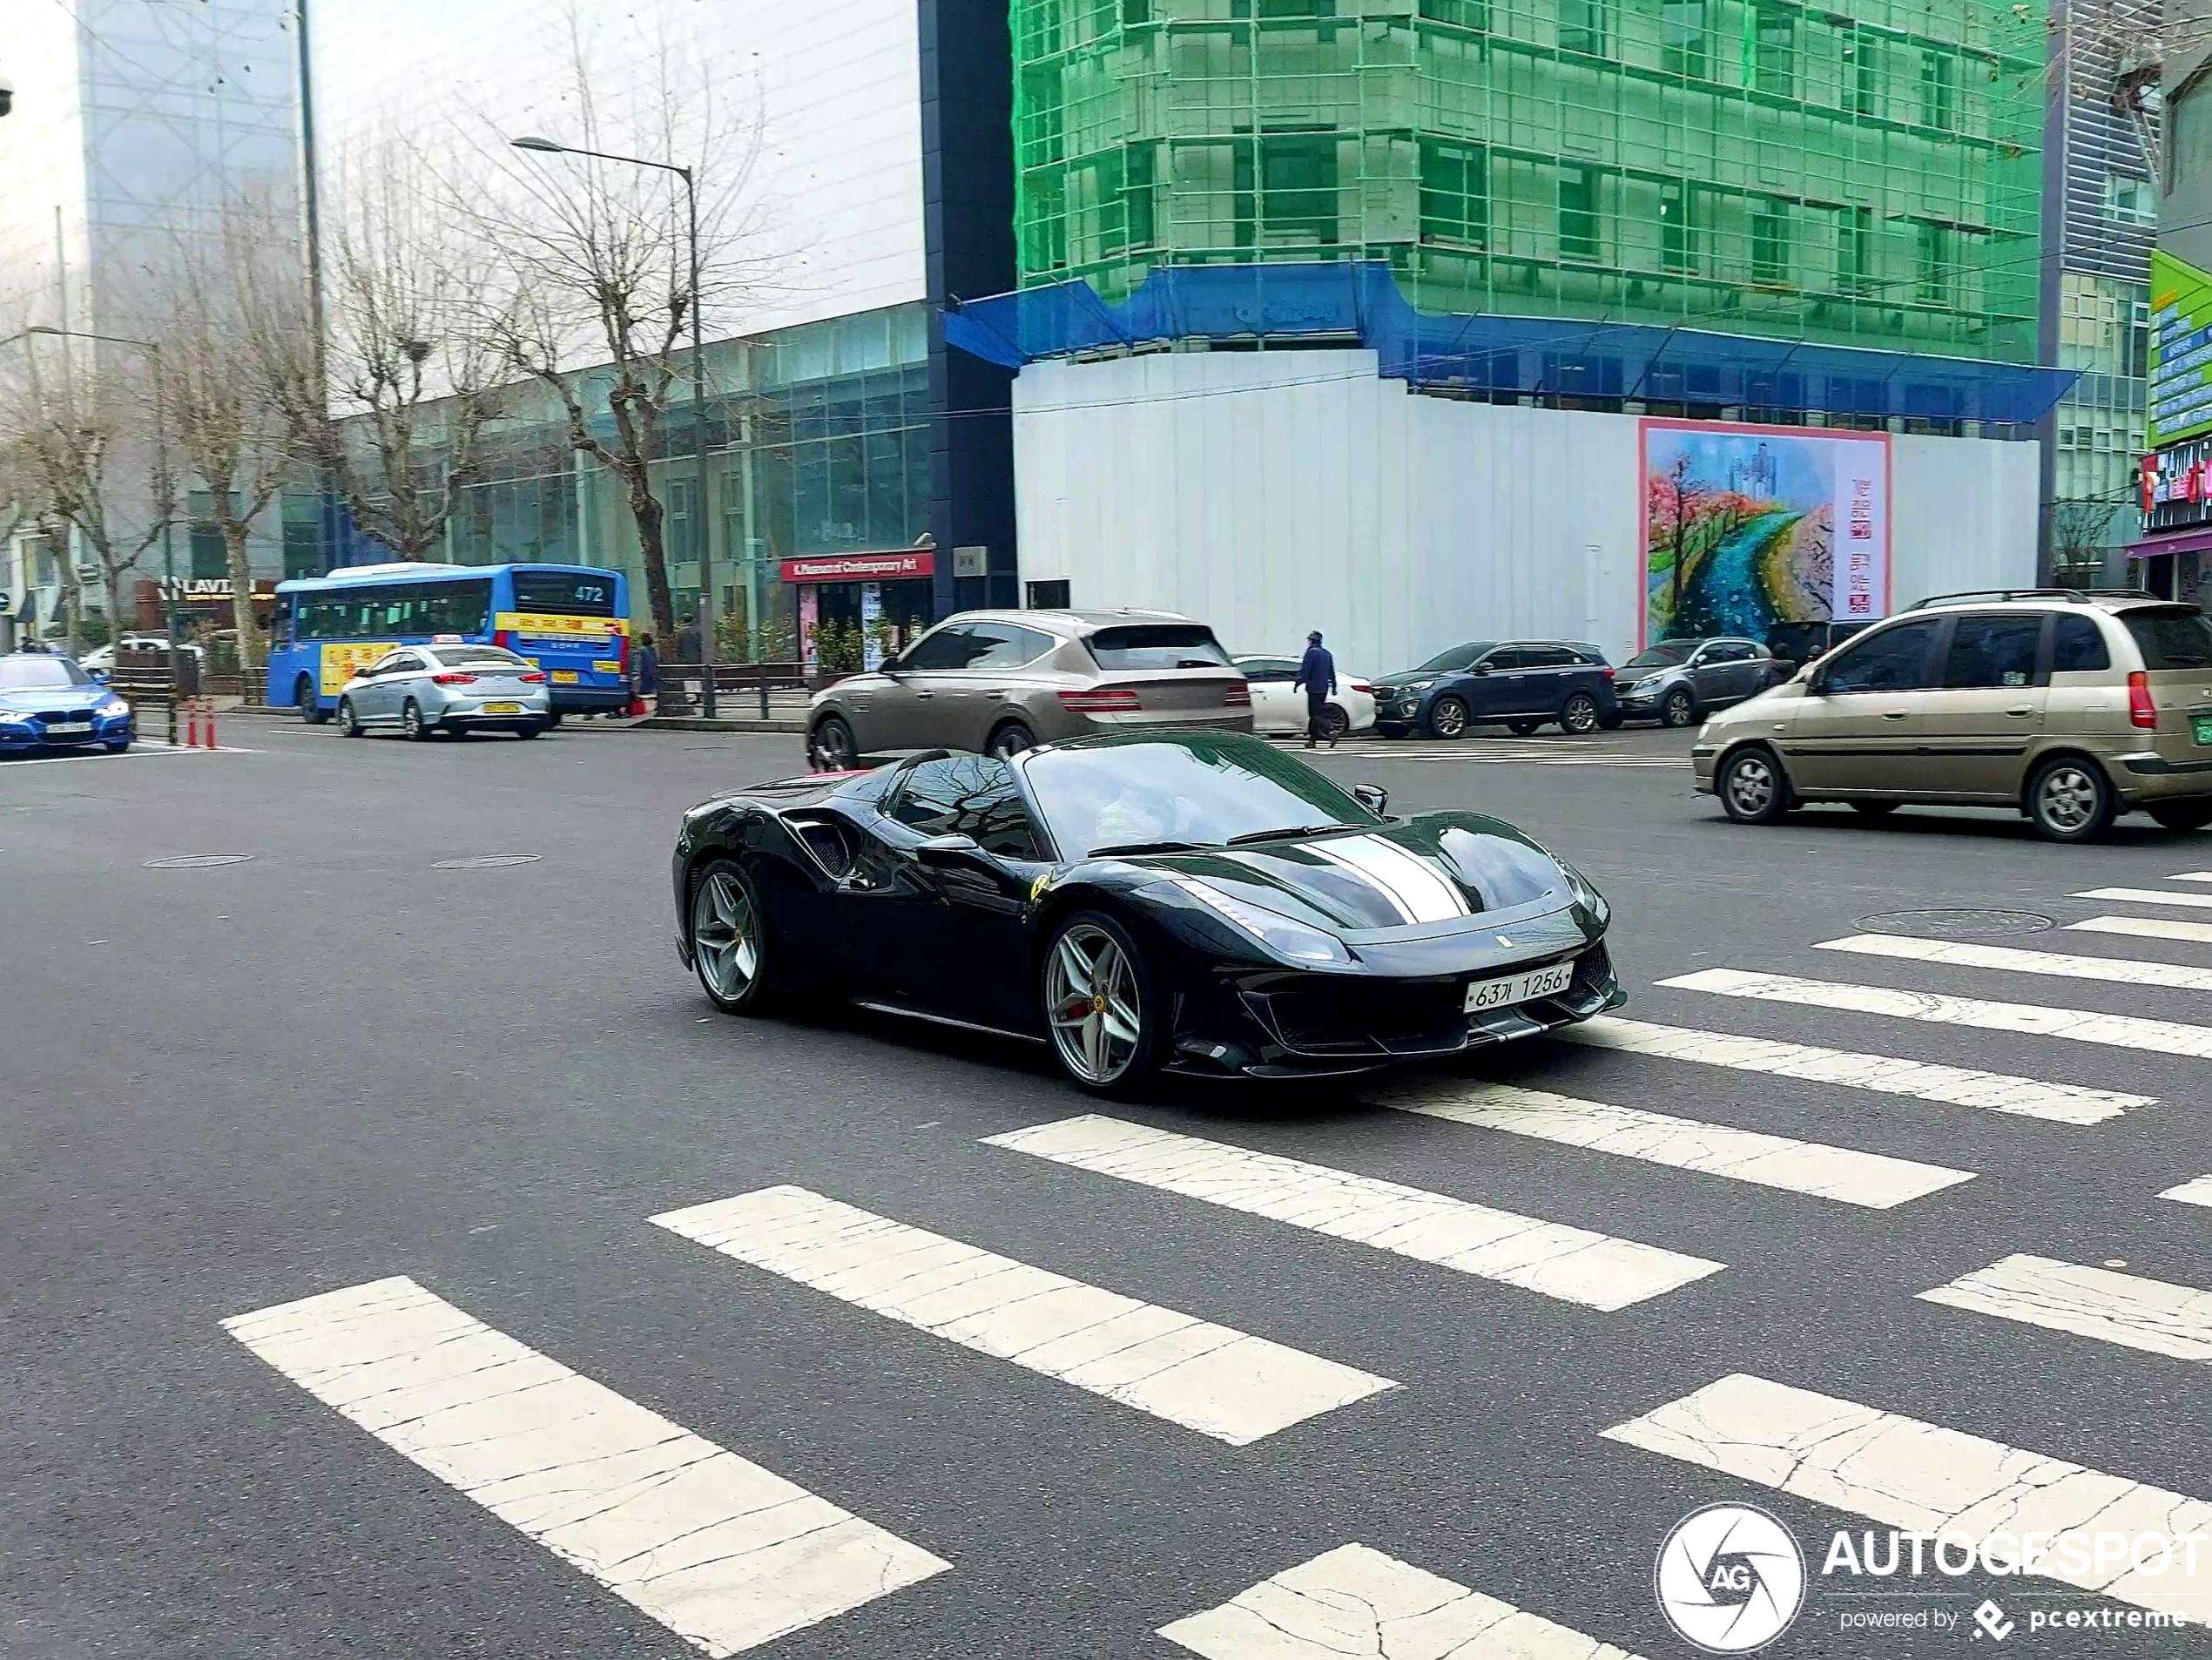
<point>1749,528</point>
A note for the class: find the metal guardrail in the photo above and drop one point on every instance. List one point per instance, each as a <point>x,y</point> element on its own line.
<point>682,685</point>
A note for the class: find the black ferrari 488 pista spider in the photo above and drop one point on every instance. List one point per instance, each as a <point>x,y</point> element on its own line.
<point>1203,901</point>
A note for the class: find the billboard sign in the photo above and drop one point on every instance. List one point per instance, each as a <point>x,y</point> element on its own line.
<point>2181,350</point>
<point>1746,528</point>
<point>860,567</point>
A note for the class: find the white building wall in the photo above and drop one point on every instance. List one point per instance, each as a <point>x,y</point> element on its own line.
<point>1271,493</point>
<point>836,85</point>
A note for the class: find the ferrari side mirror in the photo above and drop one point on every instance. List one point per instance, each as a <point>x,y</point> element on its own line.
<point>953,853</point>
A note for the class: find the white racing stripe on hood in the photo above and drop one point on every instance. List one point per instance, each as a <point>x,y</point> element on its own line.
<point>1420,892</point>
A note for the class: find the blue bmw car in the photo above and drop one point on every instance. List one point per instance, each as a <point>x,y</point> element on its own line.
<point>50,702</point>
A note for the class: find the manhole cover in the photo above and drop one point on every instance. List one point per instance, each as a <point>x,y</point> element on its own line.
<point>1957,924</point>
<point>198,861</point>
<point>486,862</point>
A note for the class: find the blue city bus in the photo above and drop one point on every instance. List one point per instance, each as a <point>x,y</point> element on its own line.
<point>571,620</point>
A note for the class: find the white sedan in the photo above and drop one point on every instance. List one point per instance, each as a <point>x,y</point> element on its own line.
<point>1277,707</point>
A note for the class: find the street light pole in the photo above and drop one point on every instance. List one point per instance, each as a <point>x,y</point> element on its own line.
<point>152,349</point>
<point>700,530</point>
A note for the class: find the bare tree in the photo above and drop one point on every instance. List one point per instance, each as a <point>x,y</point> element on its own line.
<point>393,402</point>
<point>596,255</point>
<point>227,422</point>
<point>2079,529</point>
<point>75,418</point>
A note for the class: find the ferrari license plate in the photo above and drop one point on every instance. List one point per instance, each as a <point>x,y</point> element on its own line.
<point>2201,719</point>
<point>502,708</point>
<point>1519,988</point>
<point>564,676</point>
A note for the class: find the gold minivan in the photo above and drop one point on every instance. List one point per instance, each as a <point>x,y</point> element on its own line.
<point>2069,706</point>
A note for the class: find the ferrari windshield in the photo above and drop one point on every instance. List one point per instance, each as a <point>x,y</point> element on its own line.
<point>1192,792</point>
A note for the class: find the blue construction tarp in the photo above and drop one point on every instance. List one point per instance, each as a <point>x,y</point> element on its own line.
<point>1493,352</point>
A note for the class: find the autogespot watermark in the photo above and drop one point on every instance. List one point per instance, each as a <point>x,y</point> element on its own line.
<point>1730,1578</point>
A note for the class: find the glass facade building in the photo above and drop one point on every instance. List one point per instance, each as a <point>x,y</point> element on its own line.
<point>2103,212</point>
<point>818,442</point>
<point>1868,175</point>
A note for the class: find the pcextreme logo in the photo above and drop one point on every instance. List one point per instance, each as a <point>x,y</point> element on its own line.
<point>1729,1578</point>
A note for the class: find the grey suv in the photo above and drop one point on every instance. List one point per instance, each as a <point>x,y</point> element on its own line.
<point>998,682</point>
<point>1678,681</point>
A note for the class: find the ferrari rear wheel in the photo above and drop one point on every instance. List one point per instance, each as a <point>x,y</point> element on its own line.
<point>729,938</point>
<point>1099,1005</point>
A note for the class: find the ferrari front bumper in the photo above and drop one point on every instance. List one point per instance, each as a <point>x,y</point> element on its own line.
<point>1320,1025</point>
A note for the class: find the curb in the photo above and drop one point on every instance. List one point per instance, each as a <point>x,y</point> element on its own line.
<point>701,723</point>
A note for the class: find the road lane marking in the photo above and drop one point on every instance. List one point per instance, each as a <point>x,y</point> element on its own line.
<point>1956,1086</point>
<point>723,1553</point>
<point>2148,1314</point>
<point>2191,876</point>
<point>2146,927</point>
<point>1354,1600</point>
<point>2198,1191</point>
<point>1571,1264</point>
<point>1918,1476</point>
<point>2034,1019</point>
<point>2146,896</point>
<point>1967,954</point>
<point>1220,1382</point>
<point>1840,1173</point>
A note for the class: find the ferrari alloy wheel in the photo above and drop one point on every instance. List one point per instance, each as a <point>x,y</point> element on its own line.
<point>728,939</point>
<point>1097,1003</point>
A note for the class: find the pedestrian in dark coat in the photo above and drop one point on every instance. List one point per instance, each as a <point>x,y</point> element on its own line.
<point>1317,673</point>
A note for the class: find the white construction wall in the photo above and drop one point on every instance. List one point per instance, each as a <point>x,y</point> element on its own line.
<point>1271,493</point>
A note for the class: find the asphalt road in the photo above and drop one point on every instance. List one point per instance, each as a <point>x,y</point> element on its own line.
<point>230,1087</point>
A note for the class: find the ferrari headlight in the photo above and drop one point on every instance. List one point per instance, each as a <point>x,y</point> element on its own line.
<point>1585,894</point>
<point>1285,935</point>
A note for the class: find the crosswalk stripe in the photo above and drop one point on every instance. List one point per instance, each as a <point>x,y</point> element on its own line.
<point>1955,1086</point>
<point>2148,1314</point>
<point>2122,1031</point>
<point>1870,1179</point>
<point>2198,1191</point>
<point>1967,954</point>
<point>2191,876</point>
<point>723,1553</point>
<point>1906,1474</point>
<point>1354,1600</point>
<point>2146,896</point>
<point>1571,1264</point>
<point>1209,1378</point>
<point>2146,927</point>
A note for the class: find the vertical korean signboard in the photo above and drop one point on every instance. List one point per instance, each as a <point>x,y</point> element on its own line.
<point>1747,529</point>
<point>2181,350</point>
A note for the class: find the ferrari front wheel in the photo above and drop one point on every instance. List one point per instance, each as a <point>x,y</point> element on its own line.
<point>1099,1005</point>
<point>729,938</point>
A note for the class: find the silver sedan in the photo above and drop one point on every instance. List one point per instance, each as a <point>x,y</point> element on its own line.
<point>419,689</point>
